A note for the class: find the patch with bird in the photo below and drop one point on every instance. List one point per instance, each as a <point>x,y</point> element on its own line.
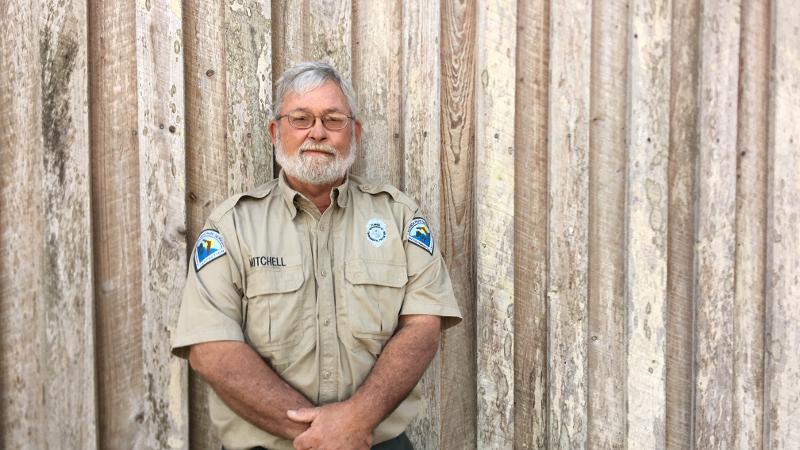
<point>419,234</point>
<point>209,247</point>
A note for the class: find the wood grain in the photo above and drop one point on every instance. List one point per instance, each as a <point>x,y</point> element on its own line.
<point>715,239</point>
<point>67,350</point>
<point>160,88</point>
<point>646,224</point>
<point>680,277</point>
<point>494,230</point>
<point>115,215</point>
<point>751,208</point>
<point>377,47</point>
<point>568,221</point>
<point>207,185</point>
<point>422,169</point>
<point>22,306</point>
<point>458,350</point>
<point>530,226</point>
<point>782,365</point>
<point>606,310</point>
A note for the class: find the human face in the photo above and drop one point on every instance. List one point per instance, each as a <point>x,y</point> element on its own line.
<point>315,155</point>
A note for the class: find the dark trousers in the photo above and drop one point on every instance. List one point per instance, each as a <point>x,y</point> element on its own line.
<point>399,443</point>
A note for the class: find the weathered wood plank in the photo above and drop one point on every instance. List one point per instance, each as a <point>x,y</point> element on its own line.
<point>377,33</point>
<point>206,155</point>
<point>458,362</point>
<point>422,167</point>
<point>646,224</point>
<point>67,350</point>
<point>494,231</point>
<point>715,238</point>
<point>751,208</point>
<point>781,421</point>
<point>680,277</point>
<point>568,227</point>
<point>530,226</point>
<point>22,309</point>
<point>115,215</point>
<point>607,358</point>
<point>327,34</point>
<point>288,23</point>
<point>248,77</point>
<point>159,51</point>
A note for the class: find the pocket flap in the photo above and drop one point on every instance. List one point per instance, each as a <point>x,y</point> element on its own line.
<point>268,281</point>
<point>381,273</point>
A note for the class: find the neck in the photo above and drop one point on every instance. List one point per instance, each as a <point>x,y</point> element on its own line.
<point>318,194</point>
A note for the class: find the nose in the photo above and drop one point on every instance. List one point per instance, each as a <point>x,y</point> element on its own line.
<point>318,132</point>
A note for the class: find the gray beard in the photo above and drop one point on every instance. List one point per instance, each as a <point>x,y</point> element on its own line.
<point>314,169</point>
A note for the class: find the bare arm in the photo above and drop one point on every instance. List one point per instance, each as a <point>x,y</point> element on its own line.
<point>249,386</point>
<point>397,370</point>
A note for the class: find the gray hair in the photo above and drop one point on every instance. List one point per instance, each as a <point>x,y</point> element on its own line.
<point>307,76</point>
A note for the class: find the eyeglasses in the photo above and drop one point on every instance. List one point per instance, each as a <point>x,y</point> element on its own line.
<point>303,120</point>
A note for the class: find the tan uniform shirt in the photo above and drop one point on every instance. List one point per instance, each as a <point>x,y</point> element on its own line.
<point>316,295</point>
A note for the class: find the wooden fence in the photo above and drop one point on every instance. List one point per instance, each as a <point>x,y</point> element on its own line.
<point>615,185</point>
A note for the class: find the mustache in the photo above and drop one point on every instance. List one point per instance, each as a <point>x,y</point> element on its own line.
<point>310,146</point>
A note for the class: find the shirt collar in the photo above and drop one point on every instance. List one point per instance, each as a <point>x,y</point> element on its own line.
<point>340,193</point>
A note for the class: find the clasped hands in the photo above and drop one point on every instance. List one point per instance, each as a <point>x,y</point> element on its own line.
<point>336,426</point>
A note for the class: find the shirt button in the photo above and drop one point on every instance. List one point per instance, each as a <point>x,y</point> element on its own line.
<point>326,374</point>
<point>324,274</point>
<point>322,228</point>
<point>327,322</point>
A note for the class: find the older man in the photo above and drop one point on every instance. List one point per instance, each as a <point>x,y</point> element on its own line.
<point>314,303</point>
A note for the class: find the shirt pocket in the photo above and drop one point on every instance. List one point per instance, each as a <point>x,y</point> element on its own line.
<point>275,311</point>
<point>375,292</point>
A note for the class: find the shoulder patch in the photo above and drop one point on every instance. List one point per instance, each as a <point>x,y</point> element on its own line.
<point>419,234</point>
<point>209,247</point>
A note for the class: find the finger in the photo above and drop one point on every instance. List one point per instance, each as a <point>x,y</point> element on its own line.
<point>301,442</point>
<point>303,415</point>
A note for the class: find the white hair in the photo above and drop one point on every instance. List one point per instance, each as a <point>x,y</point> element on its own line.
<point>307,76</point>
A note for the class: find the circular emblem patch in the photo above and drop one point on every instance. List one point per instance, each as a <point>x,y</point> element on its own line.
<point>376,232</point>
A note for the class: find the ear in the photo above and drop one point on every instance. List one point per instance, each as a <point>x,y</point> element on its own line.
<point>358,131</point>
<point>272,128</point>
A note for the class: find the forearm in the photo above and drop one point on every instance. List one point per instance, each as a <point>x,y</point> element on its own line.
<point>249,386</point>
<point>398,369</point>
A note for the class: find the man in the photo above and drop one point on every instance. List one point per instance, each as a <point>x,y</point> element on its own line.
<point>314,303</point>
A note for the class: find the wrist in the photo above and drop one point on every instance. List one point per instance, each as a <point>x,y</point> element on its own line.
<point>363,413</point>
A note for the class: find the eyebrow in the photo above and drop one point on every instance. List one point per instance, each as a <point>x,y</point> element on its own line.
<point>325,111</point>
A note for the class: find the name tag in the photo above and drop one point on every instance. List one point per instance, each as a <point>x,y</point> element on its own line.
<point>268,261</point>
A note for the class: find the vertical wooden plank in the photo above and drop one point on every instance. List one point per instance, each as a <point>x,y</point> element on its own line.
<point>715,239</point>
<point>422,168</point>
<point>159,77</point>
<point>646,224</point>
<point>312,30</point>
<point>228,99</point>
<point>22,310</point>
<point>115,215</point>
<point>377,38</point>
<point>530,226</point>
<point>494,231</point>
<point>782,364</point>
<point>751,208</point>
<point>248,82</point>
<point>458,369</point>
<point>568,227</point>
<point>680,284</point>
<point>206,156</point>
<point>68,346</point>
<point>606,353</point>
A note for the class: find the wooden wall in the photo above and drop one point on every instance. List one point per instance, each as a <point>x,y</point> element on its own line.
<point>615,185</point>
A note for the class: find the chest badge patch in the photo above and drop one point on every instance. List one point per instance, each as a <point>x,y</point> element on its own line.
<point>419,234</point>
<point>376,232</point>
<point>209,247</point>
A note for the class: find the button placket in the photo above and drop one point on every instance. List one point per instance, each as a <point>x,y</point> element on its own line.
<point>328,339</point>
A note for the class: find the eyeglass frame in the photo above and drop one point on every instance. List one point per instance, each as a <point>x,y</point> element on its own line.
<point>314,123</point>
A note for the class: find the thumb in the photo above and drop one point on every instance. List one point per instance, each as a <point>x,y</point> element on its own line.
<point>304,415</point>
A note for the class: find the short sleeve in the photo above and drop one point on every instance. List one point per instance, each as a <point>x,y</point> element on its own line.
<point>429,290</point>
<point>211,306</point>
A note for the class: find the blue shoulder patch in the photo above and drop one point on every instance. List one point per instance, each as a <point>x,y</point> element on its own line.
<point>209,247</point>
<point>419,234</point>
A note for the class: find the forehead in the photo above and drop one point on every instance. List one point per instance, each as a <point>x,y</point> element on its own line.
<point>327,97</point>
